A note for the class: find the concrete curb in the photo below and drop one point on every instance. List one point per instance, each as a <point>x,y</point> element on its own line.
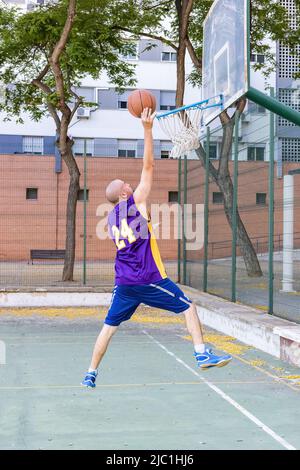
<point>43,298</point>
<point>276,336</point>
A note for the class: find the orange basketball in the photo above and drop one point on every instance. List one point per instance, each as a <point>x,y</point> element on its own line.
<point>140,99</point>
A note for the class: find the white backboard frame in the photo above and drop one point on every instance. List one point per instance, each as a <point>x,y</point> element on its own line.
<point>225,54</point>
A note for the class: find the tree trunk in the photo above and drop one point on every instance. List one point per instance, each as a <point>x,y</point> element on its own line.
<point>180,74</point>
<point>243,240</point>
<point>74,186</point>
<point>225,185</point>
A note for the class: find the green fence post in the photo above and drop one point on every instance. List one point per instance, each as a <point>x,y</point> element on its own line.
<point>271,211</point>
<point>206,205</point>
<point>234,208</point>
<point>184,218</point>
<point>179,223</point>
<point>84,212</point>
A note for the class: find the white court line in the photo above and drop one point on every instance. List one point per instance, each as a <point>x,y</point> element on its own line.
<point>226,397</point>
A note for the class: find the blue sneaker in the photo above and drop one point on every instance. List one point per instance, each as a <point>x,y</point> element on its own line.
<point>90,380</point>
<point>209,359</point>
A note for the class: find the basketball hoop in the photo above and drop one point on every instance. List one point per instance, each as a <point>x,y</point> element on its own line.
<point>182,125</point>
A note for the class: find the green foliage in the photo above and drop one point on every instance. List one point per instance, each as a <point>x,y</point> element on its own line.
<point>94,46</point>
<point>97,40</point>
<point>269,19</point>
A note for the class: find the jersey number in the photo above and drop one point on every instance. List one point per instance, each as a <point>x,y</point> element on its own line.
<point>126,232</point>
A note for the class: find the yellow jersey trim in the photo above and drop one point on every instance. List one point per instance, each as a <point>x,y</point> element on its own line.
<point>155,253</point>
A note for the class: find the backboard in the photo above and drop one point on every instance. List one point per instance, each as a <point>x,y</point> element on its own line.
<point>225,54</point>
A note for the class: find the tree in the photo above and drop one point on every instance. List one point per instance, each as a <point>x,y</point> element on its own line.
<point>45,53</point>
<point>186,35</point>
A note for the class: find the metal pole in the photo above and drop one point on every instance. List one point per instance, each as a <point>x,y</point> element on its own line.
<point>271,211</point>
<point>184,218</point>
<point>234,208</point>
<point>206,206</point>
<point>273,105</point>
<point>84,214</point>
<point>288,233</point>
<point>179,223</point>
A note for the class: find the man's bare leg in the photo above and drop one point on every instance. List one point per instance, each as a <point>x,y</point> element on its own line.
<point>205,357</point>
<point>194,327</point>
<point>101,345</point>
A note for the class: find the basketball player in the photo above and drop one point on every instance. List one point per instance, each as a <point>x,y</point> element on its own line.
<point>140,273</point>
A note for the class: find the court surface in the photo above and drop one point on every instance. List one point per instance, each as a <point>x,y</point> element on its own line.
<point>149,393</point>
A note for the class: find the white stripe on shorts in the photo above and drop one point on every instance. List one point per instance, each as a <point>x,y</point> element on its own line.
<point>185,301</point>
<point>164,290</point>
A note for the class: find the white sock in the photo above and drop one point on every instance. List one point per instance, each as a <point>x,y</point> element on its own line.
<point>199,348</point>
<point>93,370</point>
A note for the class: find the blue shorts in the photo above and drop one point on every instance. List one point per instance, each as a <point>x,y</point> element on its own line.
<point>164,294</point>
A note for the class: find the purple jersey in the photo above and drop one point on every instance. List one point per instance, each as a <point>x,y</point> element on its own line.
<point>138,259</point>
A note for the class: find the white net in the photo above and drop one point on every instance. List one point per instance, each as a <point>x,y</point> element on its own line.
<point>182,127</point>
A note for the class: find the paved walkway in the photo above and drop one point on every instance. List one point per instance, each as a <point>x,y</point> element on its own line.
<point>149,395</point>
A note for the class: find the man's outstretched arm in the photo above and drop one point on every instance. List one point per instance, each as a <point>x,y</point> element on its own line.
<point>143,190</point>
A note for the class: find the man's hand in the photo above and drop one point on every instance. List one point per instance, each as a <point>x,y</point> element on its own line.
<point>147,118</point>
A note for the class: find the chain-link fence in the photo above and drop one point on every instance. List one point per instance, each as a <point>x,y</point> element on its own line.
<point>33,204</point>
<point>265,233</point>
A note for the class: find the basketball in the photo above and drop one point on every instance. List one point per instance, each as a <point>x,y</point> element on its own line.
<point>140,99</point>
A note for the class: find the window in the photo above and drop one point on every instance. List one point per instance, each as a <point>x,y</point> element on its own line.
<point>173,196</point>
<point>126,153</point>
<point>166,107</point>
<point>122,104</point>
<point>256,154</point>
<point>217,198</point>
<point>122,99</point>
<point>261,199</point>
<point>78,147</point>
<point>33,145</point>
<point>213,151</point>
<point>254,108</point>
<point>132,53</point>
<point>80,195</point>
<point>257,58</point>
<point>260,58</point>
<point>165,153</point>
<point>31,193</point>
<point>165,148</point>
<point>88,93</point>
<point>260,109</point>
<point>127,148</point>
<point>168,56</point>
<point>167,100</point>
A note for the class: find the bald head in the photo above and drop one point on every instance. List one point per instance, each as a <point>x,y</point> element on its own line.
<point>118,190</point>
<point>113,191</point>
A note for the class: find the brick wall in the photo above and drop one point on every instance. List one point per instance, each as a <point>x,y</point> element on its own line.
<point>36,224</point>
